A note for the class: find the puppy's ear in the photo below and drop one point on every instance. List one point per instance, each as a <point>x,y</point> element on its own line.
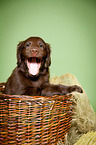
<point>48,58</point>
<point>19,52</point>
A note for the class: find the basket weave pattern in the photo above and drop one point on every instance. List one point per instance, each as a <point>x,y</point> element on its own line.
<point>34,120</point>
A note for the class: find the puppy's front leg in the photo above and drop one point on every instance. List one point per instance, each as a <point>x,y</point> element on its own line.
<point>69,89</point>
<point>51,89</point>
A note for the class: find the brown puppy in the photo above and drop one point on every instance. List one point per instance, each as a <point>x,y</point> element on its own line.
<point>31,76</point>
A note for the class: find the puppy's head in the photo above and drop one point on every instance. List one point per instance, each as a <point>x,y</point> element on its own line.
<point>33,56</point>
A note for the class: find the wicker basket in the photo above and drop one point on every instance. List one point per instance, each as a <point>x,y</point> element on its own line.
<point>34,120</point>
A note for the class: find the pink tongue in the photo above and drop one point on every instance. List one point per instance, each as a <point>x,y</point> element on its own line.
<point>33,68</point>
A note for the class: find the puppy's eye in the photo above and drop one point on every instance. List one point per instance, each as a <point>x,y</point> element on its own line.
<point>28,44</point>
<point>41,45</point>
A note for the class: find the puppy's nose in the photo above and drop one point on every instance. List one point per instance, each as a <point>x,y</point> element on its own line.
<point>34,51</point>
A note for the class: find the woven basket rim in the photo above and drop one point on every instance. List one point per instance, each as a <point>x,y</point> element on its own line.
<point>30,98</point>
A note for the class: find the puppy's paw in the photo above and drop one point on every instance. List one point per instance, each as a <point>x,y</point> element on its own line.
<point>77,89</point>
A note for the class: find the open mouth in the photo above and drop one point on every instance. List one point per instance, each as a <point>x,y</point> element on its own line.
<point>33,64</point>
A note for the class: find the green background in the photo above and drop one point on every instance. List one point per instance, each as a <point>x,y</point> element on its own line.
<point>68,25</point>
